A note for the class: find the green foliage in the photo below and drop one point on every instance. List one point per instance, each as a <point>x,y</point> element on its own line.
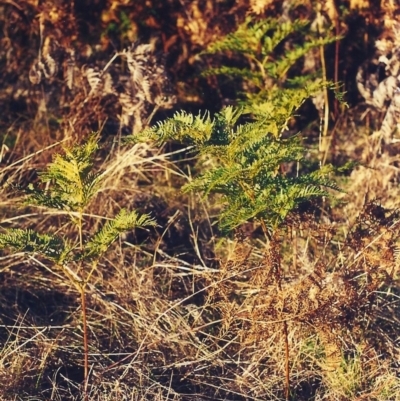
<point>31,242</point>
<point>258,171</point>
<point>250,159</point>
<point>184,126</point>
<point>266,73</point>
<point>70,185</point>
<point>72,182</point>
<point>124,221</point>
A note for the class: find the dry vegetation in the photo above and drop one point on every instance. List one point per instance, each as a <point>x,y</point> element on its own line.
<point>181,312</point>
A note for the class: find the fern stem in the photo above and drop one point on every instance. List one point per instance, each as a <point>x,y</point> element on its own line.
<point>250,194</point>
<point>85,343</point>
<point>82,286</point>
<point>294,244</point>
<point>326,102</point>
<point>110,62</point>
<point>261,67</point>
<point>278,275</point>
<point>148,121</point>
<point>336,72</point>
<point>80,218</point>
<point>287,377</point>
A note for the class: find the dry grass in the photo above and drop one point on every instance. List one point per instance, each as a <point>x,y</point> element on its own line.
<point>167,322</point>
<point>179,312</point>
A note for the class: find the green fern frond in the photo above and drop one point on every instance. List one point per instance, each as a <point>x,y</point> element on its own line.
<point>254,38</point>
<point>215,180</point>
<point>279,104</point>
<point>249,157</point>
<point>72,183</point>
<point>279,68</point>
<point>254,143</point>
<point>123,222</point>
<point>272,204</point>
<point>182,126</point>
<point>230,115</point>
<point>266,75</point>
<point>199,130</point>
<point>29,241</point>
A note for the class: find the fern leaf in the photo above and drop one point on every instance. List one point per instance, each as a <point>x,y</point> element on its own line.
<point>182,126</point>
<point>73,184</point>
<point>31,242</point>
<point>123,222</point>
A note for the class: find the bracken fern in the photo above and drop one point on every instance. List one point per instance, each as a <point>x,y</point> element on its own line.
<point>69,184</point>
<point>248,171</point>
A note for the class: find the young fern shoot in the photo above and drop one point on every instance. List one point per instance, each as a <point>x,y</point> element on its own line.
<point>248,173</point>
<point>260,172</point>
<point>249,170</point>
<point>70,185</point>
<point>266,66</point>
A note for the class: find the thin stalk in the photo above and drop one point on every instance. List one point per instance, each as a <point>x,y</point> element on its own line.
<point>324,133</point>
<point>82,286</point>
<point>265,230</point>
<point>80,219</point>
<point>85,344</point>
<point>148,121</point>
<point>336,72</point>
<point>287,377</point>
<point>326,101</point>
<point>285,331</point>
<point>111,61</point>
<point>294,244</point>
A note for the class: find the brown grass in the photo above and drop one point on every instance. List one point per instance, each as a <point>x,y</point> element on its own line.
<point>170,325</point>
<point>179,312</point>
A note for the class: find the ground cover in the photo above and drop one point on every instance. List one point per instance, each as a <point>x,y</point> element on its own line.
<point>270,272</point>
